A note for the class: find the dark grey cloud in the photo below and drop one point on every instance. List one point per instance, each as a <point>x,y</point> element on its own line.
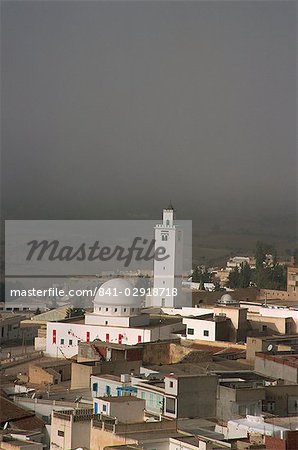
<point>110,109</point>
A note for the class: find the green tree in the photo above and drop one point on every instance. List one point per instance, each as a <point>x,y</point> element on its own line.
<point>74,312</point>
<point>245,275</point>
<point>233,280</point>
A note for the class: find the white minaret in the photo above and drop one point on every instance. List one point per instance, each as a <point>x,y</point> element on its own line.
<point>168,273</point>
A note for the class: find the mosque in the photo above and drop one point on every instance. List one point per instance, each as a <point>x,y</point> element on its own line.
<point>119,318</point>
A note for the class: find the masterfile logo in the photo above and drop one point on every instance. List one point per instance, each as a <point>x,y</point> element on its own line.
<point>140,250</point>
<point>78,248</point>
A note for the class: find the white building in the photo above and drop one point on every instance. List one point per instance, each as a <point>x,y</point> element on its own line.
<point>240,428</point>
<point>116,318</point>
<point>167,286</point>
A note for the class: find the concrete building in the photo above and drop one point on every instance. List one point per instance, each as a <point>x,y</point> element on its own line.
<point>223,321</point>
<point>11,331</point>
<point>270,345</point>
<point>208,328</point>
<point>283,365</point>
<point>71,428</point>
<point>49,372</point>
<point>241,393</point>
<point>171,396</point>
<point>241,428</point>
<point>176,396</point>
<point>126,409</point>
<point>149,435</point>
<point>292,280</point>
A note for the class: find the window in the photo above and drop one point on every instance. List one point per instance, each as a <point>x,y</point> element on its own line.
<point>54,336</point>
<point>151,399</point>
<point>61,433</point>
<point>132,309</point>
<point>108,390</point>
<point>270,406</point>
<point>124,309</point>
<point>61,341</point>
<point>88,336</point>
<point>70,342</point>
<point>99,309</point>
<point>107,337</point>
<point>206,332</point>
<point>116,309</point>
<point>94,387</point>
<point>167,223</point>
<point>107,309</point>
<point>143,395</point>
<point>139,338</point>
<point>164,237</point>
<point>171,384</point>
<point>104,408</point>
<point>106,322</point>
<point>190,331</point>
<point>170,405</point>
<point>264,327</point>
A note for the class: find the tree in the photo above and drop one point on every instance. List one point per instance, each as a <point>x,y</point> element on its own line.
<point>196,275</point>
<point>74,312</point>
<point>260,254</point>
<point>244,275</point>
<point>233,280</point>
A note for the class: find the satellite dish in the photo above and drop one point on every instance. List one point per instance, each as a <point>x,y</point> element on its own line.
<point>270,347</point>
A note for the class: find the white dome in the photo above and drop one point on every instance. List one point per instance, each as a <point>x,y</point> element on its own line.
<point>226,298</point>
<point>118,292</point>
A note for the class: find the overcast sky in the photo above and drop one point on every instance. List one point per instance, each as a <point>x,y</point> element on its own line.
<point>111,109</point>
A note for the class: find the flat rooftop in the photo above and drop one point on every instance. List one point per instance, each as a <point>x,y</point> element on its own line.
<point>107,376</point>
<point>122,399</point>
<point>200,368</point>
<point>290,360</point>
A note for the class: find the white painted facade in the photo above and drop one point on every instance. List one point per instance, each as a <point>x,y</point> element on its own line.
<point>109,385</point>
<point>117,315</point>
<point>63,338</point>
<point>200,329</point>
<point>168,272</point>
<point>240,428</point>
